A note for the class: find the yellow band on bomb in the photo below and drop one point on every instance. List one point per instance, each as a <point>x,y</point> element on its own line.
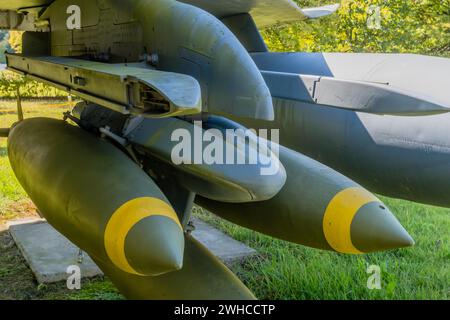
<point>123,220</point>
<point>339,215</point>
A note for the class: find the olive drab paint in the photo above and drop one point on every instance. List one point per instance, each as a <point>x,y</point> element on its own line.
<point>120,216</point>
<point>319,208</point>
<point>145,68</point>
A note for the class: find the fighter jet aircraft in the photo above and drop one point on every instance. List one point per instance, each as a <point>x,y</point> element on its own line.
<point>118,177</point>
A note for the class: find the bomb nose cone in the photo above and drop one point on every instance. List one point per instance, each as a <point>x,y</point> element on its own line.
<point>155,246</point>
<point>375,228</point>
<point>145,237</point>
<point>357,222</point>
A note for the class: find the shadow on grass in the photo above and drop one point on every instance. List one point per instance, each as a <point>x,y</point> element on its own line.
<point>7,112</point>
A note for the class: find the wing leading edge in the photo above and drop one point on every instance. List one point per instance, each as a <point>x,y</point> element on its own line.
<point>264,12</point>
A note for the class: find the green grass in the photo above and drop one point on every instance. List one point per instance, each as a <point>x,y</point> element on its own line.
<point>10,190</point>
<point>288,271</point>
<point>280,271</point>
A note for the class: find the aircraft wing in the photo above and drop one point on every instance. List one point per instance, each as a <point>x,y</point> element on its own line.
<point>264,12</point>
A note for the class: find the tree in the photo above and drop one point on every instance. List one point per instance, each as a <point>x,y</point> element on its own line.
<point>15,41</point>
<point>415,26</point>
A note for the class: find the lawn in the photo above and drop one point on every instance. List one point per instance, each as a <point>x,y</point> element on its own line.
<point>280,271</point>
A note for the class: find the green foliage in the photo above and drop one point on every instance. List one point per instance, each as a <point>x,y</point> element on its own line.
<point>416,26</point>
<point>9,82</point>
<point>15,41</point>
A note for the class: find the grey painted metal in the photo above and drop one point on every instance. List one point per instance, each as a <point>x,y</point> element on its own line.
<point>224,179</point>
<point>398,156</point>
<point>220,181</point>
<point>129,90</point>
<point>265,12</point>
<point>108,31</point>
<point>231,182</point>
<point>313,13</point>
<point>419,75</point>
<point>201,46</point>
<point>245,29</point>
<point>354,95</point>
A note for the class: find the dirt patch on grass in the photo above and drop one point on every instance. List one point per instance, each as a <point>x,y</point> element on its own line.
<point>20,209</point>
<point>16,280</point>
<point>23,208</point>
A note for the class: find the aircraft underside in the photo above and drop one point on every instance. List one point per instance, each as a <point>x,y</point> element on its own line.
<point>112,177</point>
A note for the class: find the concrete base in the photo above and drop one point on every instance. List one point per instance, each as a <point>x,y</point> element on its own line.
<point>49,253</point>
<point>222,246</point>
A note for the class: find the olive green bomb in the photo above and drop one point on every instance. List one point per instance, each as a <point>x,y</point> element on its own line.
<point>99,198</point>
<point>320,208</point>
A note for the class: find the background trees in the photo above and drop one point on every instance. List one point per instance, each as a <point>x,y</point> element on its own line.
<point>415,26</point>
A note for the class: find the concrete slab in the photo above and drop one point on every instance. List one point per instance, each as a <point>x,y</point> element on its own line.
<point>222,246</point>
<point>47,252</point>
